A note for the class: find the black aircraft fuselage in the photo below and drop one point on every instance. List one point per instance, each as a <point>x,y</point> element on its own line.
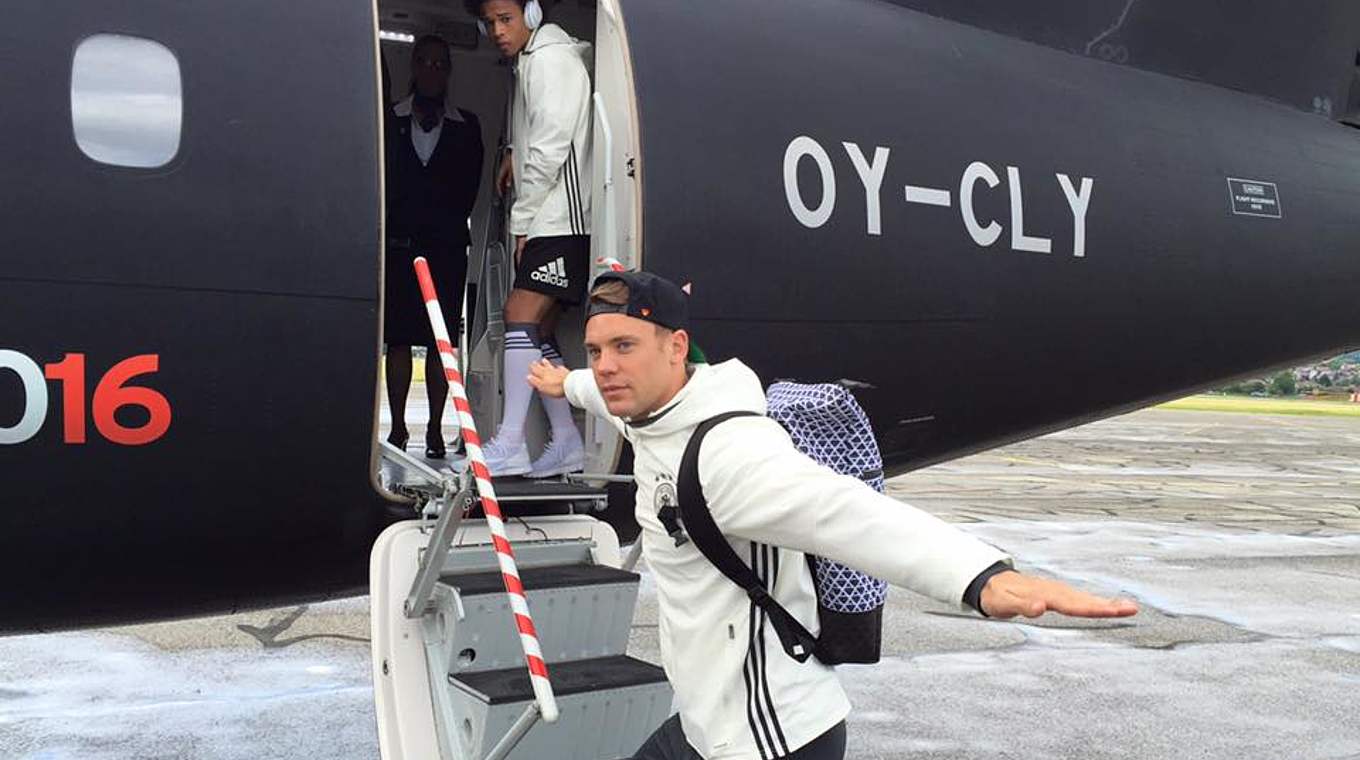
<point>992,219</point>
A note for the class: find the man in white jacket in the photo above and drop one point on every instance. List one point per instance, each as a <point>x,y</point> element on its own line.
<point>739,695</point>
<point>549,166</point>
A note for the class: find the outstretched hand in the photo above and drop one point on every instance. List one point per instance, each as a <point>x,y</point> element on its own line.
<point>1010,593</point>
<point>548,378</point>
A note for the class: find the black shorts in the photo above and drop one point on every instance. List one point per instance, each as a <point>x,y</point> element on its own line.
<point>557,267</point>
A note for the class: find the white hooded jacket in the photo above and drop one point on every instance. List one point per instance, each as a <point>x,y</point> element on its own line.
<point>739,694</point>
<point>550,130</point>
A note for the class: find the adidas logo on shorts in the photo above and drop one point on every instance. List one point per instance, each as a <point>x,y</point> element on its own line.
<point>552,273</point>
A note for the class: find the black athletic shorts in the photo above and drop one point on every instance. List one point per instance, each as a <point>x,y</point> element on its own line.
<point>557,267</point>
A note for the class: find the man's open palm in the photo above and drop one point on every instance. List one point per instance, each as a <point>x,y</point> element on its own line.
<point>1010,593</point>
<point>548,378</point>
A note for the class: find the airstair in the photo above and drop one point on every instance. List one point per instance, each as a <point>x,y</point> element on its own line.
<point>449,667</point>
<point>504,634</point>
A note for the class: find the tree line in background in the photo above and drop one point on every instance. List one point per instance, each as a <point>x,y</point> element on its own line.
<point>1335,377</point>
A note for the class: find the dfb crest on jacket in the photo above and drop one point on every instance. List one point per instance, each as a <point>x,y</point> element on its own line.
<point>667,505</point>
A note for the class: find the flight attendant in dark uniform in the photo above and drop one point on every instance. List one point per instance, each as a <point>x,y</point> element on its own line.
<point>434,169</point>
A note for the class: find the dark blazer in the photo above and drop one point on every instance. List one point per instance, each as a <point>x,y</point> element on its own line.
<point>430,205</point>
<point>427,215</point>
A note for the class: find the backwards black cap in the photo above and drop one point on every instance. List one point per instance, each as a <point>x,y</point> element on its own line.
<point>651,299</point>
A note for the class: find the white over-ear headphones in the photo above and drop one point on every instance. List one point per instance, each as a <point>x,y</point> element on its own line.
<point>533,18</point>
<point>533,15</point>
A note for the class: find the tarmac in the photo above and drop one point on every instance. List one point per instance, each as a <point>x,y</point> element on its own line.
<point>1238,535</point>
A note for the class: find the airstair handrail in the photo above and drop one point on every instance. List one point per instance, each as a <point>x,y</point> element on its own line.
<point>607,218</point>
<point>519,605</point>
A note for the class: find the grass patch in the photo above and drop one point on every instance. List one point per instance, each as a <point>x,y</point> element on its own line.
<point>1248,405</point>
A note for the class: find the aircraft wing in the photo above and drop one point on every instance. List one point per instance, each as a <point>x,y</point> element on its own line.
<point>1303,54</point>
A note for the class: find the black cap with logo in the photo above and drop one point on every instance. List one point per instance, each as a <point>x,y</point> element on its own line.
<point>652,299</point>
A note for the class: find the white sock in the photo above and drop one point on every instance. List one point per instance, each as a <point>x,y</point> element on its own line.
<point>558,409</point>
<point>521,351</point>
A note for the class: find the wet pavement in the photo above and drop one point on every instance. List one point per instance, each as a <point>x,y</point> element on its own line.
<point>1239,536</point>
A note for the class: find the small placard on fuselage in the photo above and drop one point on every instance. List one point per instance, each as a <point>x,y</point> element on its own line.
<point>1255,198</point>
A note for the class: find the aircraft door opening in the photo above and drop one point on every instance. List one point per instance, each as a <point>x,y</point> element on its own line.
<point>481,82</point>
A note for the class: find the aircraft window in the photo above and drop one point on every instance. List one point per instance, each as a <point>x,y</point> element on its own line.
<point>127,102</point>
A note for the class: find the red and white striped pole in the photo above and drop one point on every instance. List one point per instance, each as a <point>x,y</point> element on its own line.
<point>528,636</point>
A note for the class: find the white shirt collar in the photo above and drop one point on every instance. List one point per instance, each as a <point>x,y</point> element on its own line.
<point>404,108</point>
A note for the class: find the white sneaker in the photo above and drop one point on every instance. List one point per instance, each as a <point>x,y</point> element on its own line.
<point>560,458</point>
<point>504,461</point>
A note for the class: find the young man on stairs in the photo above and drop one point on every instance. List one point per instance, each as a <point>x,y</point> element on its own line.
<point>548,165</point>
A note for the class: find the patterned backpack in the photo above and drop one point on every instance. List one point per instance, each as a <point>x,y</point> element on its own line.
<point>827,424</point>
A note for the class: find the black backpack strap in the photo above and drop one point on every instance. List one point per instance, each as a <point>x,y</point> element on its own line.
<point>704,532</point>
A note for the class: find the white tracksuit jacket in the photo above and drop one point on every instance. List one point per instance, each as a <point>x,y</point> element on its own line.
<point>739,694</point>
<point>550,134</point>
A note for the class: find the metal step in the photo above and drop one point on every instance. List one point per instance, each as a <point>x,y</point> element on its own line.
<point>518,496</point>
<point>511,685</point>
<point>521,497</point>
<point>540,579</point>
<point>580,612</point>
<point>609,706</point>
<point>512,490</point>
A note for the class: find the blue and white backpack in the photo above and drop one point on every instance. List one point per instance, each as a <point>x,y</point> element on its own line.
<point>827,424</point>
